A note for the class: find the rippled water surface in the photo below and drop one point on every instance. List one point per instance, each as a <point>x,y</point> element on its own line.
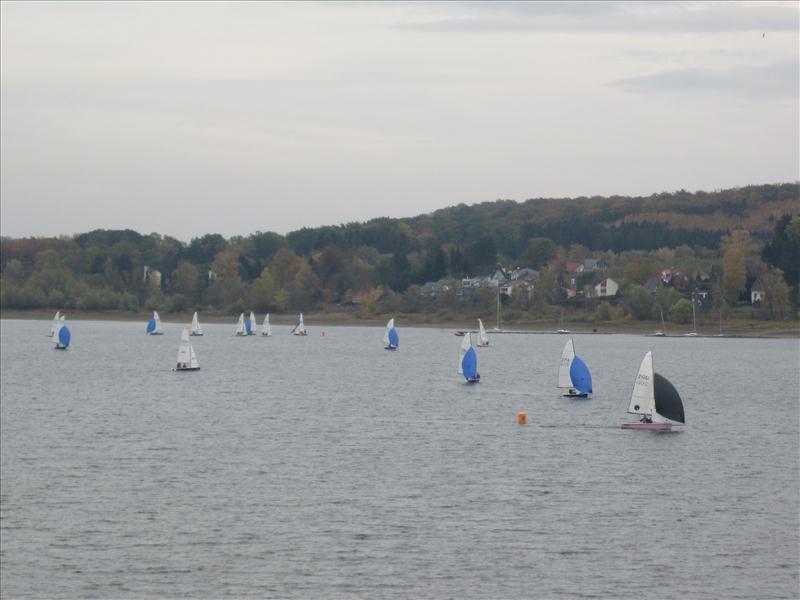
<point>326,467</point>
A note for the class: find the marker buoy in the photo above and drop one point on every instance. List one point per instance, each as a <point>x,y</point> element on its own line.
<point>522,418</point>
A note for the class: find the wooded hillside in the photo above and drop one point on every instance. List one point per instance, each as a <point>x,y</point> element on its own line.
<point>722,240</point>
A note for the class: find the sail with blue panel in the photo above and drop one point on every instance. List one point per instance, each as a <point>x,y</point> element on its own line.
<point>64,336</point>
<point>390,337</point>
<point>469,364</point>
<point>580,376</point>
<point>151,326</point>
<point>248,327</point>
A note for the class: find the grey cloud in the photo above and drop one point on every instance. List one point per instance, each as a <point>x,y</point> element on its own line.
<point>778,79</point>
<point>606,17</point>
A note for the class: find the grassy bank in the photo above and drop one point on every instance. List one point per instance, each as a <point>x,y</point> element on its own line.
<point>731,327</point>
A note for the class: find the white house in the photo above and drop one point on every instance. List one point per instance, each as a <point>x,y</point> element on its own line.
<point>757,292</point>
<point>607,287</point>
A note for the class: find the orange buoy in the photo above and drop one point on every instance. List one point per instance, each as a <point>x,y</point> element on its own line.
<point>522,418</point>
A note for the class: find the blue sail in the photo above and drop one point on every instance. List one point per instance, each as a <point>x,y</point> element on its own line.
<point>469,364</point>
<point>151,326</point>
<point>248,326</point>
<point>581,378</point>
<point>64,336</point>
<point>394,339</point>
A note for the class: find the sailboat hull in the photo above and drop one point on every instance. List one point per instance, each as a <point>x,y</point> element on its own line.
<point>390,348</point>
<point>649,426</point>
<point>576,395</point>
<point>195,334</point>
<point>187,369</point>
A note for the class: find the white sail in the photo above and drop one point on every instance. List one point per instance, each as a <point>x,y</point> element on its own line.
<point>54,326</point>
<point>157,319</point>
<point>567,356</point>
<point>252,324</point>
<point>466,343</point>
<point>643,401</point>
<point>386,331</point>
<point>186,357</point>
<point>483,339</point>
<point>196,330</point>
<point>300,328</point>
<point>266,329</point>
<point>240,326</point>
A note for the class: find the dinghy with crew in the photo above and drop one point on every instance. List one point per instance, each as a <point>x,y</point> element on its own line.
<point>655,400</point>
<point>266,328</point>
<point>196,329</point>
<point>299,328</point>
<point>573,374</point>
<point>187,360</point>
<point>468,360</point>
<point>390,337</point>
<point>154,325</point>
<point>240,326</point>
<point>61,335</point>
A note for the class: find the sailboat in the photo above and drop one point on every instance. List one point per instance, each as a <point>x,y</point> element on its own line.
<point>390,337</point>
<point>54,326</point>
<point>61,335</point>
<point>655,399</point>
<point>663,331</point>
<point>154,325</point>
<point>497,326</point>
<point>240,326</point>
<point>561,326</point>
<point>299,328</point>
<point>720,334</point>
<point>483,339</point>
<point>251,324</point>
<point>693,332</point>
<point>196,329</point>
<point>187,360</point>
<point>573,374</point>
<point>266,329</point>
<point>468,360</point>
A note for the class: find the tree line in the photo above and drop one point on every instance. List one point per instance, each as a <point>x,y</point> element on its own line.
<point>730,236</point>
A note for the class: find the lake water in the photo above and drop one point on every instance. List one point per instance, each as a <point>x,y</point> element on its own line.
<point>326,467</point>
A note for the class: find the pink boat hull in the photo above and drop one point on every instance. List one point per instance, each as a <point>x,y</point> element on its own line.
<point>651,426</point>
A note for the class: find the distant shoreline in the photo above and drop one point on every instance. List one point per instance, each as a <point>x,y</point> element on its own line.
<point>733,329</point>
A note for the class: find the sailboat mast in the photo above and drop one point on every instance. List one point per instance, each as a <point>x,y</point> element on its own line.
<point>694,318</point>
<point>498,311</point>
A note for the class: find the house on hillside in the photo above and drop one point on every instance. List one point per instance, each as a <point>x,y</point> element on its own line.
<point>592,264</point>
<point>757,292</point>
<point>652,285</point>
<point>432,289</point>
<point>523,274</point>
<point>152,275</point>
<point>674,278</point>
<point>606,288</point>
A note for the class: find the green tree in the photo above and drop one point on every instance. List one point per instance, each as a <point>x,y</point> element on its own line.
<point>681,311</point>
<point>539,252</point>
<point>186,279</point>
<point>776,294</point>
<point>734,273</point>
<point>783,251</point>
<point>639,303</point>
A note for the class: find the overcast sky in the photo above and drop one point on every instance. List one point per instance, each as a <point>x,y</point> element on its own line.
<point>189,118</point>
